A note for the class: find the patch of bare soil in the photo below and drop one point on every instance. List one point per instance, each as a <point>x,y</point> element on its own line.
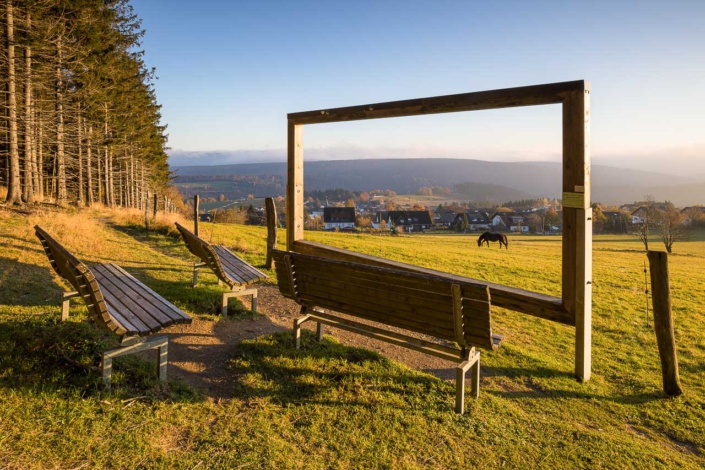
<point>199,353</point>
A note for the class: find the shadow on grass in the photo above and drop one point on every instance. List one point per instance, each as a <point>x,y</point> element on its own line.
<point>329,373</point>
<point>44,354</point>
<point>24,284</point>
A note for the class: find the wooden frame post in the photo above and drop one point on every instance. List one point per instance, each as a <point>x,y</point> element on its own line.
<point>271,211</point>
<point>575,305</point>
<point>295,185</point>
<point>195,215</point>
<point>577,224</point>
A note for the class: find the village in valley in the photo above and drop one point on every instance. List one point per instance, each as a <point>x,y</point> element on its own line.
<point>383,211</point>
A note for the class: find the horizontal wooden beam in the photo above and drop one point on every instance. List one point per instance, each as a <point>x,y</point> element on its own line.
<point>511,298</point>
<point>551,93</point>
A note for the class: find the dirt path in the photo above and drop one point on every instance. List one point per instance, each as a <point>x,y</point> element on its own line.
<point>199,353</point>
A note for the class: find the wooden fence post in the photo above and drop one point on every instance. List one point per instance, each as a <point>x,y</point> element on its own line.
<point>271,229</point>
<point>195,215</point>
<point>663,322</point>
<point>155,204</point>
<point>146,215</point>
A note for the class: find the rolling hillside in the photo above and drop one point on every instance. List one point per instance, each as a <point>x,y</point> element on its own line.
<point>405,176</point>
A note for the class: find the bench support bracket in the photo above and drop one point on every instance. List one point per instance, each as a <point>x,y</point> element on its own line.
<point>472,362</point>
<point>195,272</point>
<point>65,304</point>
<point>239,292</point>
<point>132,345</point>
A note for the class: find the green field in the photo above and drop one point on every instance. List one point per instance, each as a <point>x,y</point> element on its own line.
<point>334,406</point>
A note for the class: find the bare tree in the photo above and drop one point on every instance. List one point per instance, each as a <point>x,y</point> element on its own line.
<point>648,212</point>
<point>672,227</point>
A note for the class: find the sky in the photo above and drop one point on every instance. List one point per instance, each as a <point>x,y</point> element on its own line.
<point>230,71</point>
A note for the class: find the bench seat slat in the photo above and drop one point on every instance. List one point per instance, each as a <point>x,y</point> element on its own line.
<point>376,313</point>
<point>145,311</point>
<point>421,282</point>
<point>144,291</point>
<point>251,271</point>
<point>247,273</point>
<point>232,262</point>
<point>116,304</point>
<point>409,309</point>
<point>378,290</point>
<point>165,312</point>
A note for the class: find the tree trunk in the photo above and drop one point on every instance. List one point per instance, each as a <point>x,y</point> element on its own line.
<point>28,167</point>
<point>40,153</point>
<point>89,166</point>
<point>80,161</point>
<point>60,152</point>
<point>14,189</point>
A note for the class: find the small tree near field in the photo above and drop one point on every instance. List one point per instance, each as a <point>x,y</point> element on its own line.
<point>642,230</point>
<point>671,227</point>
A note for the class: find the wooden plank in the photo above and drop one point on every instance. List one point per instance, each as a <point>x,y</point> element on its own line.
<point>115,305</point>
<point>432,299</point>
<point>457,313</point>
<point>295,185</point>
<point>577,224</point>
<point>376,313</point>
<point>130,293</point>
<point>135,288</point>
<point>531,303</point>
<point>403,308</point>
<point>117,269</point>
<point>272,223</point>
<point>381,334</point>
<point>250,271</point>
<point>149,315</point>
<point>434,281</point>
<point>492,99</point>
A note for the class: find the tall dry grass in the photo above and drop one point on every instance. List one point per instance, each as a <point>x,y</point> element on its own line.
<point>3,193</point>
<point>163,223</point>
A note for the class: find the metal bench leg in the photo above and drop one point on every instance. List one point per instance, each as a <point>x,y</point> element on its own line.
<point>195,272</point>
<point>132,345</point>
<point>107,369</point>
<point>65,304</point>
<point>224,309</point>
<point>254,300</point>
<point>319,331</point>
<point>163,360</point>
<point>475,377</point>
<point>472,361</point>
<point>297,327</point>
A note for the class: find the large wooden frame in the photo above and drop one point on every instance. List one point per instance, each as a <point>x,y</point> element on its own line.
<point>575,305</point>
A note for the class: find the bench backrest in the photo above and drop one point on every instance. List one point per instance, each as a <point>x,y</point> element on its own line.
<point>203,250</point>
<point>432,305</point>
<point>78,275</point>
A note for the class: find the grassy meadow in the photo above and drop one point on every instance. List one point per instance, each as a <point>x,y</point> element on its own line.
<point>333,406</point>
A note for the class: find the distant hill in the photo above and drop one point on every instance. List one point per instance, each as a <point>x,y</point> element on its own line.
<point>505,180</point>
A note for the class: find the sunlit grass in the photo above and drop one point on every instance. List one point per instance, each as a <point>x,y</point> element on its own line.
<point>332,406</point>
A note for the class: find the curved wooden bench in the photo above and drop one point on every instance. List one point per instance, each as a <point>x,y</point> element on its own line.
<point>448,309</point>
<point>230,269</point>
<point>116,301</point>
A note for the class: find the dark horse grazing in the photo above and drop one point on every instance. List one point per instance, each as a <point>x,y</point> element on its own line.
<point>493,237</point>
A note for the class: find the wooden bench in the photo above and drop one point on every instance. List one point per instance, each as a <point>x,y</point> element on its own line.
<point>447,309</point>
<point>231,270</point>
<point>117,301</point>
